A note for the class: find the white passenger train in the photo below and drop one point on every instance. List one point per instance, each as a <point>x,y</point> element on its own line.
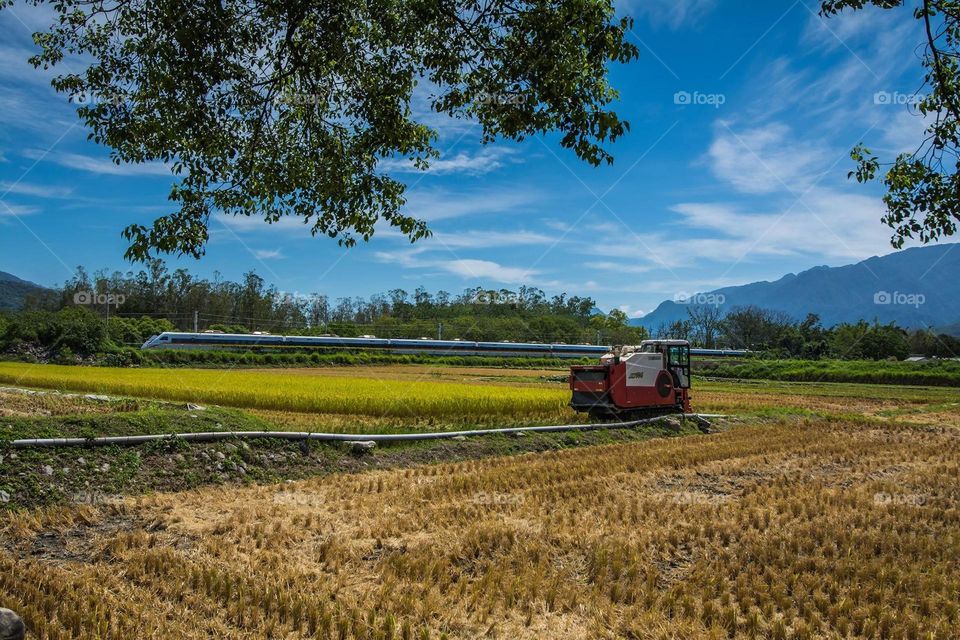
<point>266,341</point>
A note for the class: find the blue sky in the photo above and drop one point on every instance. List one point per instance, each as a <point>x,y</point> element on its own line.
<point>743,114</point>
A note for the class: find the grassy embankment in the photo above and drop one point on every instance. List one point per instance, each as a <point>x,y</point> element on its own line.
<point>939,373</point>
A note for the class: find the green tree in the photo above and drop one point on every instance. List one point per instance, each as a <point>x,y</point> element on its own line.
<point>706,324</point>
<point>869,341</point>
<point>751,327</point>
<point>280,108</point>
<point>923,187</point>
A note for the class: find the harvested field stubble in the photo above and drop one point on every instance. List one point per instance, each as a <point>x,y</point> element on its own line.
<point>797,530</point>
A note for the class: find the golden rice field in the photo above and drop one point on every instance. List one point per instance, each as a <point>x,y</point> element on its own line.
<point>389,397</point>
<point>800,528</point>
<point>368,395</point>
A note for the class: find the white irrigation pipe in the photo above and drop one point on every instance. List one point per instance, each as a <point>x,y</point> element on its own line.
<point>212,436</point>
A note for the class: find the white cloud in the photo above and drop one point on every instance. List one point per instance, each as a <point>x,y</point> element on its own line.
<point>625,266</point>
<point>844,61</point>
<point>486,160</point>
<point>14,67</point>
<point>631,312</point>
<point>445,126</point>
<point>477,239</point>
<point>35,190</point>
<point>9,210</point>
<point>487,269</point>
<point>103,166</point>
<point>707,240</point>
<point>558,225</point>
<point>431,205</point>
<point>28,18</point>
<point>905,131</point>
<point>869,27</point>
<point>440,204</point>
<point>825,222</point>
<point>268,254</point>
<point>28,102</point>
<point>671,13</point>
<point>256,224</point>
<point>764,159</point>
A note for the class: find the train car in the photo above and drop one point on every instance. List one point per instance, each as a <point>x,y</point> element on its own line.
<point>404,346</point>
<point>210,340</point>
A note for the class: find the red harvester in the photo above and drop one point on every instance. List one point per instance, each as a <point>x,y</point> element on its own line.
<point>635,382</point>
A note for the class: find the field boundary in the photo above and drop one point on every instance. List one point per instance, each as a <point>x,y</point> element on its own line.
<point>212,436</point>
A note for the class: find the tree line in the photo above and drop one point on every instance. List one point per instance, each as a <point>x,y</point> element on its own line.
<point>183,302</point>
<point>777,334</point>
<point>101,312</point>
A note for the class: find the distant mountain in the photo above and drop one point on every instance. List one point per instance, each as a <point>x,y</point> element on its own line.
<point>13,291</point>
<point>916,288</point>
<point>950,329</point>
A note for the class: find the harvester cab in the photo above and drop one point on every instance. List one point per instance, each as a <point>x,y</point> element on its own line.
<point>634,381</point>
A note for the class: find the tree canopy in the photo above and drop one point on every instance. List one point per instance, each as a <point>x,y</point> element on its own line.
<point>183,299</point>
<point>923,186</point>
<point>275,108</point>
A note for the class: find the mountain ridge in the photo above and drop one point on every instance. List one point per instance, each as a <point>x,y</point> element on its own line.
<point>14,291</point>
<point>916,288</point>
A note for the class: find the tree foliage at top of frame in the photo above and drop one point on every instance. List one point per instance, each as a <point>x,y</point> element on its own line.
<point>275,108</point>
<point>923,187</point>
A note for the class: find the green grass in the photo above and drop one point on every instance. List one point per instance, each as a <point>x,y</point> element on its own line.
<point>132,423</point>
<point>938,373</point>
<point>913,393</point>
<point>202,359</point>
